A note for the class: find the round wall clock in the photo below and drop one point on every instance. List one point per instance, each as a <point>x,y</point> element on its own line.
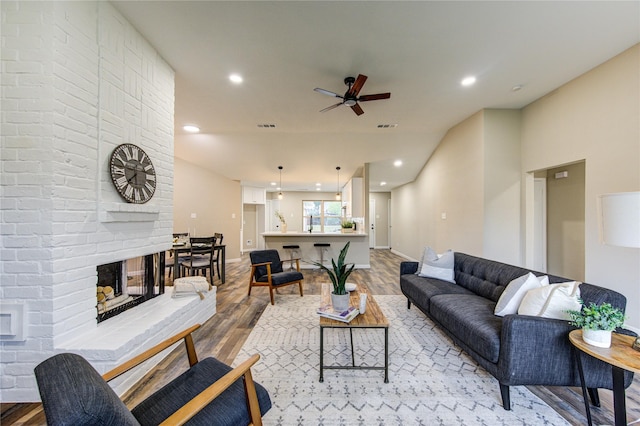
<point>132,173</point>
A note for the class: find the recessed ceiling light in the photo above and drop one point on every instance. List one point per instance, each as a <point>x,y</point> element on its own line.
<point>235,78</point>
<point>383,183</point>
<point>397,163</point>
<point>318,184</point>
<point>191,128</point>
<point>468,81</point>
<point>273,184</point>
<point>517,87</point>
<point>318,189</point>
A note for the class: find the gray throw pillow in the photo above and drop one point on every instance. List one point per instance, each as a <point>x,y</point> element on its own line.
<point>438,267</point>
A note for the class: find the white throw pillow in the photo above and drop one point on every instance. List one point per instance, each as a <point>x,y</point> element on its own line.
<point>552,301</point>
<point>440,267</point>
<point>511,297</point>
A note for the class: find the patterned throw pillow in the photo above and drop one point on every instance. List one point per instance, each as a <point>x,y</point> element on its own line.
<point>440,267</point>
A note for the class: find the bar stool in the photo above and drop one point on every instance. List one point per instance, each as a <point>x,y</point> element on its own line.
<point>292,249</point>
<point>322,247</point>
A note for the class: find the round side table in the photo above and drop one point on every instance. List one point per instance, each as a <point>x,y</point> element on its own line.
<point>621,356</point>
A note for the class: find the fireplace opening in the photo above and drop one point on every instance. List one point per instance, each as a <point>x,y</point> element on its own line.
<point>127,283</point>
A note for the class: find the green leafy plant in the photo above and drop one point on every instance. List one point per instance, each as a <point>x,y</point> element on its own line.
<point>346,223</point>
<point>280,216</point>
<point>339,272</point>
<point>597,317</point>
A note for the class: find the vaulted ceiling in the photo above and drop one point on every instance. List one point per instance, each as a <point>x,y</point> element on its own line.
<point>417,50</point>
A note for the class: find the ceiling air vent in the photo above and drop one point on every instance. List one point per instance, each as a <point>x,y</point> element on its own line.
<point>267,126</point>
<point>386,126</point>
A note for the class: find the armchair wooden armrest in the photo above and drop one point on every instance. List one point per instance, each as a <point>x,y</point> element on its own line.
<point>137,360</point>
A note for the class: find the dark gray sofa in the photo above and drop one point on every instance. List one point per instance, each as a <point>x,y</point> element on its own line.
<point>515,349</point>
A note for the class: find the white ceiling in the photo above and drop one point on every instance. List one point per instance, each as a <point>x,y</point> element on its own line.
<point>419,51</point>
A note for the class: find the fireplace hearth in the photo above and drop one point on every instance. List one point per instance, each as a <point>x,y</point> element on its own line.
<point>127,283</point>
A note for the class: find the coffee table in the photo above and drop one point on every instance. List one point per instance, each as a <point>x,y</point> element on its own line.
<point>373,318</point>
<point>621,356</point>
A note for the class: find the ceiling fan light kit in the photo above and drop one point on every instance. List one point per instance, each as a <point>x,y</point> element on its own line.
<point>350,97</point>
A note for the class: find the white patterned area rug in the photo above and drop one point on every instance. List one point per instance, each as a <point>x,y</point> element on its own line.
<point>431,381</point>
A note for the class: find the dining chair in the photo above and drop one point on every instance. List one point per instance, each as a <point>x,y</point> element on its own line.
<point>208,393</point>
<point>169,261</point>
<point>216,252</point>
<point>200,256</point>
<point>267,271</point>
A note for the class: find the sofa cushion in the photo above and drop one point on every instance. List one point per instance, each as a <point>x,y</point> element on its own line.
<point>484,277</point>
<point>470,318</point>
<point>420,290</point>
<point>224,410</point>
<point>440,267</point>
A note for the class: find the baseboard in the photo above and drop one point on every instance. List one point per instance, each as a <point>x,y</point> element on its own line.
<point>403,255</point>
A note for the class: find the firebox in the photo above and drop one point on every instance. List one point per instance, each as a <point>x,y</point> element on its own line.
<point>127,283</point>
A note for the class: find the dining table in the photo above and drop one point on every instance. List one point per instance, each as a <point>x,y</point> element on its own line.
<point>178,249</point>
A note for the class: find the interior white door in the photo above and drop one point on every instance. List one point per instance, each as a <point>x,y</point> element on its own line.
<point>372,223</point>
<point>540,225</point>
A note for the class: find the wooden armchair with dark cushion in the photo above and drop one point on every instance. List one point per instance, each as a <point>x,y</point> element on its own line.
<point>208,393</point>
<point>266,271</point>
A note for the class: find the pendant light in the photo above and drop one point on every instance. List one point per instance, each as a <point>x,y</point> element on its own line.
<point>280,196</point>
<point>338,187</point>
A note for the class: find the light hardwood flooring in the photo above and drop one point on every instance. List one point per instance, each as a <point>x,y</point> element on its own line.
<point>225,333</point>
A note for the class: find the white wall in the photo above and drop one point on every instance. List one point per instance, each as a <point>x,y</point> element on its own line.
<point>451,183</point>
<point>502,186</point>
<point>215,200</point>
<point>595,117</point>
<point>77,81</point>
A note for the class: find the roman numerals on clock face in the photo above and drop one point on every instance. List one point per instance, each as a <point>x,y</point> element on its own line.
<point>132,173</point>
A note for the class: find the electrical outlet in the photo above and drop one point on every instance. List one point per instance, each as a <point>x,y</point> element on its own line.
<point>249,242</point>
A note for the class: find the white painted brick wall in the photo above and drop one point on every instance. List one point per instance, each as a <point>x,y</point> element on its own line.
<point>77,80</point>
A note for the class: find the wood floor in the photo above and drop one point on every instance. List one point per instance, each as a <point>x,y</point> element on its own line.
<point>224,334</point>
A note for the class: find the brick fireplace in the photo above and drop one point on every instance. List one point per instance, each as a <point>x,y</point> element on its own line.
<point>82,81</point>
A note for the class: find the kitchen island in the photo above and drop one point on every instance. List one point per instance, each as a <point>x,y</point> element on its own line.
<point>358,253</point>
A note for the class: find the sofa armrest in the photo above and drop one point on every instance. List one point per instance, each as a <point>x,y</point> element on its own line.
<point>408,268</point>
<point>535,350</point>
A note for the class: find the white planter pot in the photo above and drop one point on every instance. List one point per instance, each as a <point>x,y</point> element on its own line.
<point>340,302</point>
<point>599,338</point>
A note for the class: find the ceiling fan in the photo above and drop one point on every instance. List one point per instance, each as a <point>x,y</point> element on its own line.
<point>350,97</point>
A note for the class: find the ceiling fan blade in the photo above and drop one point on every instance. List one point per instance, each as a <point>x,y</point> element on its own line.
<point>331,107</point>
<point>374,97</point>
<point>356,108</point>
<point>355,88</point>
<point>326,92</point>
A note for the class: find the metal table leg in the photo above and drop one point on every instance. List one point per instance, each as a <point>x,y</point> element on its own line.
<point>321,353</point>
<point>585,397</point>
<point>619,404</point>
<point>353,358</point>
<point>386,355</point>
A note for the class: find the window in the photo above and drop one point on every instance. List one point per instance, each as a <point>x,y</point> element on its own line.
<point>324,216</point>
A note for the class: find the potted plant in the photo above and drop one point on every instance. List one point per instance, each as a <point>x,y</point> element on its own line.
<point>597,322</point>
<point>283,222</point>
<point>347,225</point>
<point>338,274</point>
